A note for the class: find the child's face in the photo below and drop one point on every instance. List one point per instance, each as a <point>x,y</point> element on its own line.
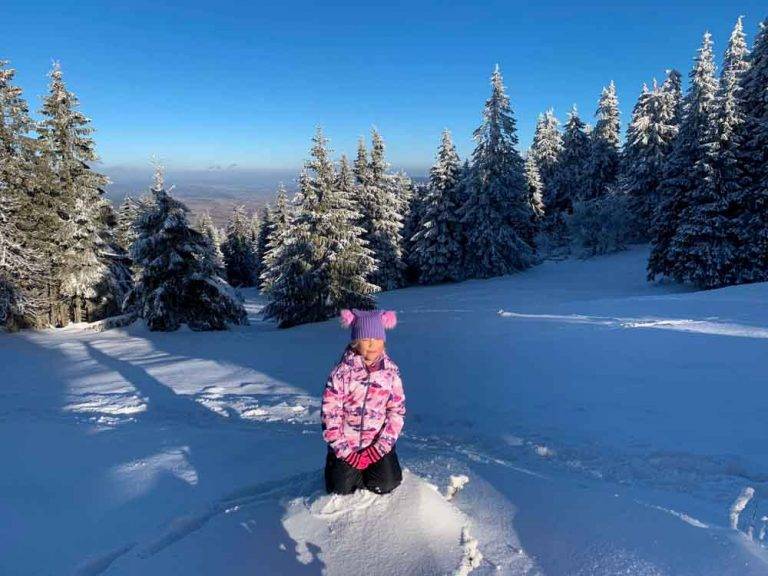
<point>369,348</point>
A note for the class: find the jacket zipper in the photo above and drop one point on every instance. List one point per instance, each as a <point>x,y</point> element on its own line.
<point>362,413</point>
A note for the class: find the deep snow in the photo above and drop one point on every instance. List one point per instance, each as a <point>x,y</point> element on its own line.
<point>605,425</point>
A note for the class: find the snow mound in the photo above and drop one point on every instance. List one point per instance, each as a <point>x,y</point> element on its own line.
<point>412,530</point>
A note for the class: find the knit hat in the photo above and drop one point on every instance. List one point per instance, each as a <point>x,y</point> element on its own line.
<point>368,323</point>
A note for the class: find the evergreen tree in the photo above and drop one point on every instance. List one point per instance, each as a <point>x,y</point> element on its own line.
<point>239,250</point>
<point>546,149</point>
<point>690,218</point>
<point>22,248</point>
<point>535,188</point>
<point>497,215</point>
<point>325,266</point>
<point>604,157</point>
<point>262,239</point>
<point>571,179</point>
<point>437,243</point>
<point>79,260</point>
<point>278,237</point>
<point>649,138</point>
<point>178,283</point>
<point>206,226</point>
<point>751,204</point>
<point>126,218</point>
<point>382,221</point>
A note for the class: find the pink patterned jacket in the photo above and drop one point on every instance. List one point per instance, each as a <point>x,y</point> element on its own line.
<point>362,408</point>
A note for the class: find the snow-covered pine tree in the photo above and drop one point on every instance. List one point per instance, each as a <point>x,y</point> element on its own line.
<point>641,160</point>
<point>178,283</point>
<point>689,219</point>
<point>278,236</point>
<point>438,241</point>
<point>239,251</point>
<point>571,178</point>
<point>751,204</point>
<point>265,223</point>
<point>326,265</point>
<point>535,187</point>
<point>208,228</point>
<point>382,221</point>
<point>497,216</point>
<point>604,155</point>
<point>729,175</point>
<point>127,214</point>
<point>546,149</point>
<point>22,295</point>
<point>80,258</point>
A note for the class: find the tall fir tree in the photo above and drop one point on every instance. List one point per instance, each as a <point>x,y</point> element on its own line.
<point>751,204</point>
<point>382,221</point>
<point>649,138</point>
<point>262,238</point>
<point>571,179</point>
<point>178,283</point>
<point>546,149</point>
<point>81,258</point>
<point>603,166</point>
<point>497,215</point>
<point>208,228</point>
<point>438,241</point>
<point>22,241</point>
<point>326,265</point>
<point>239,250</point>
<point>535,188</point>
<point>689,216</point>
<point>278,236</point>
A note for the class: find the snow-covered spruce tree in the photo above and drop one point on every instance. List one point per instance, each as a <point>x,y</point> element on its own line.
<point>751,204</point>
<point>278,236</point>
<point>729,175</point>
<point>571,179</point>
<point>603,166</point>
<point>649,138</point>
<point>178,283</point>
<point>438,241</point>
<point>325,266</point>
<point>546,149</point>
<point>239,250</point>
<point>382,221</point>
<point>22,252</point>
<point>535,188</point>
<point>80,258</point>
<point>208,228</point>
<point>16,261</point>
<point>265,222</point>
<point>689,220</point>
<point>497,216</point>
<point>127,214</point>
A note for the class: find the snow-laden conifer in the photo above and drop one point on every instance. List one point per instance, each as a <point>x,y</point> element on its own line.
<point>239,250</point>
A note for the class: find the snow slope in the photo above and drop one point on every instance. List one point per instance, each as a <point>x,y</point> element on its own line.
<point>605,425</point>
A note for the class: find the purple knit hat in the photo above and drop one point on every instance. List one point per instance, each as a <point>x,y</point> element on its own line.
<point>368,323</point>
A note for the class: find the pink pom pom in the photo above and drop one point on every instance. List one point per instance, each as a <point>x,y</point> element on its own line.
<point>389,319</point>
<point>347,317</point>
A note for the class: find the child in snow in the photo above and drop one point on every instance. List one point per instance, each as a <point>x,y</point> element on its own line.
<point>363,409</point>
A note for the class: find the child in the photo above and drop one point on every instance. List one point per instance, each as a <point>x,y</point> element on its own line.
<point>363,409</point>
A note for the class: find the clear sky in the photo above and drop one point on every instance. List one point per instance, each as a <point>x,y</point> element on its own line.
<point>245,82</point>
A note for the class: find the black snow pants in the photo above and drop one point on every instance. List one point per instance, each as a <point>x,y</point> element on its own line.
<point>381,477</point>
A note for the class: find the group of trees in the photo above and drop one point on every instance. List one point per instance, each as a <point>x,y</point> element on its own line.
<point>67,256</point>
<point>59,258</point>
<point>690,177</point>
<point>710,226</point>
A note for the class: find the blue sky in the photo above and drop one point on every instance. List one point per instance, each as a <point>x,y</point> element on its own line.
<point>244,83</point>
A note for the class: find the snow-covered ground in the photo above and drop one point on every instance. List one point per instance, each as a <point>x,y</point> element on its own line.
<point>605,426</point>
